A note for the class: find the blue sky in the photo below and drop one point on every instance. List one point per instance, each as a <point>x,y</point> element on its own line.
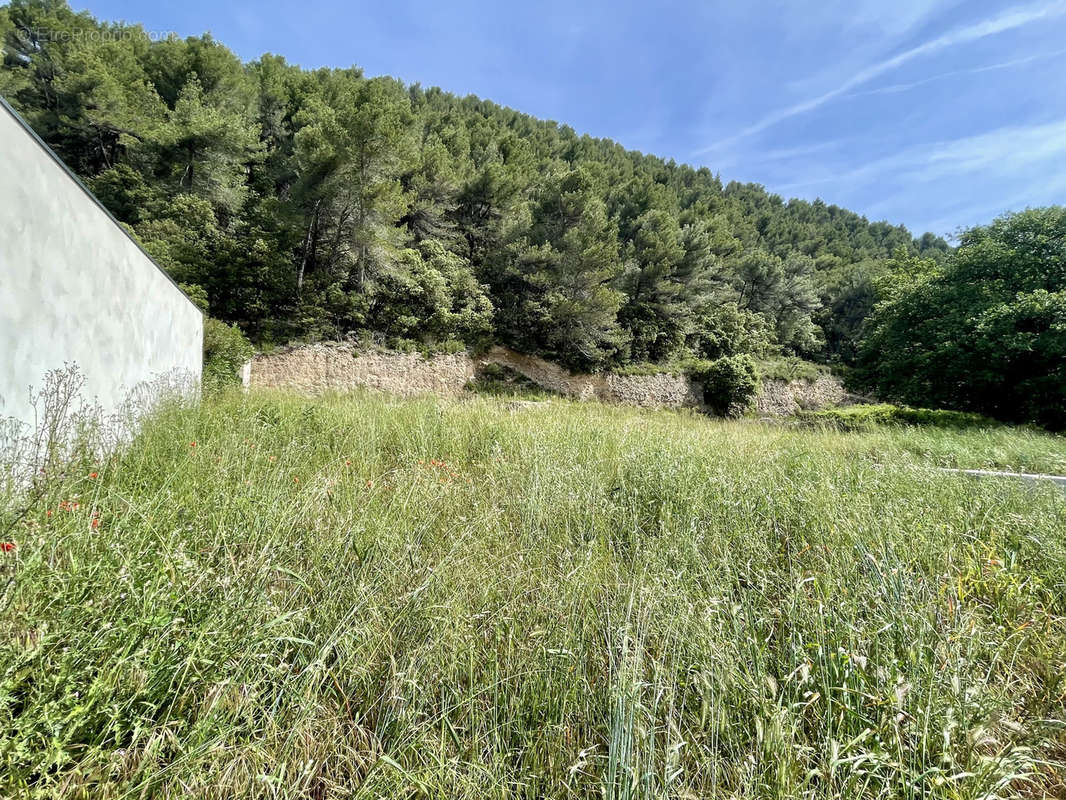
<point>936,114</point>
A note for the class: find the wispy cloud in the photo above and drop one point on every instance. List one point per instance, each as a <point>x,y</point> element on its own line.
<point>892,18</point>
<point>903,87</point>
<point>779,154</point>
<point>939,186</point>
<point>966,214</point>
<point>1007,149</point>
<point>970,33</point>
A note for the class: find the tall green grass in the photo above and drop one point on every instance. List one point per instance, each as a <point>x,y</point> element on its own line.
<point>363,597</point>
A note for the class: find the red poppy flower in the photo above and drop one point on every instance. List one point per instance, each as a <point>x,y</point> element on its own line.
<point>192,444</point>
<point>7,547</point>
<point>93,474</point>
<point>347,463</point>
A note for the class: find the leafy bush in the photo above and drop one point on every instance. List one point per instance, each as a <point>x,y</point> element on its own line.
<point>729,383</point>
<point>983,332</point>
<point>226,349</point>
<point>790,368</point>
<point>196,294</point>
<point>863,417</point>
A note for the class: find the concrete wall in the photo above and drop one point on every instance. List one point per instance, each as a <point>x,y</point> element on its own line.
<point>74,287</point>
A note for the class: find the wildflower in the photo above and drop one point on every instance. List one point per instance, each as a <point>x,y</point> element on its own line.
<point>347,463</point>
<point>48,512</point>
<point>192,444</point>
<point>7,547</point>
<point>96,522</point>
<point>295,480</point>
<point>369,484</point>
<point>93,474</point>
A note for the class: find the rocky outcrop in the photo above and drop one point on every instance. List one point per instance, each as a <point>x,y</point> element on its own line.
<point>341,366</point>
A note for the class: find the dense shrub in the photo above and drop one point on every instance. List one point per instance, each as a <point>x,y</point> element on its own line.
<point>226,348</point>
<point>729,383</point>
<point>862,417</point>
<point>790,368</point>
<point>983,332</point>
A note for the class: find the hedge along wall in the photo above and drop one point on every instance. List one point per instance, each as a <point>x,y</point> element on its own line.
<point>75,288</point>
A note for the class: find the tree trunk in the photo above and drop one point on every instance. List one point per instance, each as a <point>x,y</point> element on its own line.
<point>307,248</point>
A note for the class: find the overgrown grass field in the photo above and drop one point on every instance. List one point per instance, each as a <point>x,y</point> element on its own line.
<point>361,597</point>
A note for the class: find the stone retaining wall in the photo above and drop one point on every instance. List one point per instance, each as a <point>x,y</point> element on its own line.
<point>781,398</point>
<point>662,390</point>
<point>339,366</point>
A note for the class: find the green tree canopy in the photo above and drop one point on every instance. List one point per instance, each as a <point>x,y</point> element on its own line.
<point>321,203</point>
<point>985,331</point>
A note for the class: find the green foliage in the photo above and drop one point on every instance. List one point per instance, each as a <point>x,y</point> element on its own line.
<point>196,294</point>
<point>789,368</point>
<point>724,329</point>
<point>561,269</point>
<point>729,383</point>
<point>984,331</point>
<point>226,349</point>
<point>379,598</point>
<point>324,203</point>
<point>863,417</point>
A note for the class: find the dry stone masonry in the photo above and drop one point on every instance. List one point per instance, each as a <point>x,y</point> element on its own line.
<point>340,366</point>
<point>781,398</point>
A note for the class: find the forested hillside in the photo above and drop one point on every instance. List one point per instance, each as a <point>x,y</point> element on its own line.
<point>318,204</point>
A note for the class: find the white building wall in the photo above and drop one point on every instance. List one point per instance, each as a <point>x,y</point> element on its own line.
<point>75,288</point>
